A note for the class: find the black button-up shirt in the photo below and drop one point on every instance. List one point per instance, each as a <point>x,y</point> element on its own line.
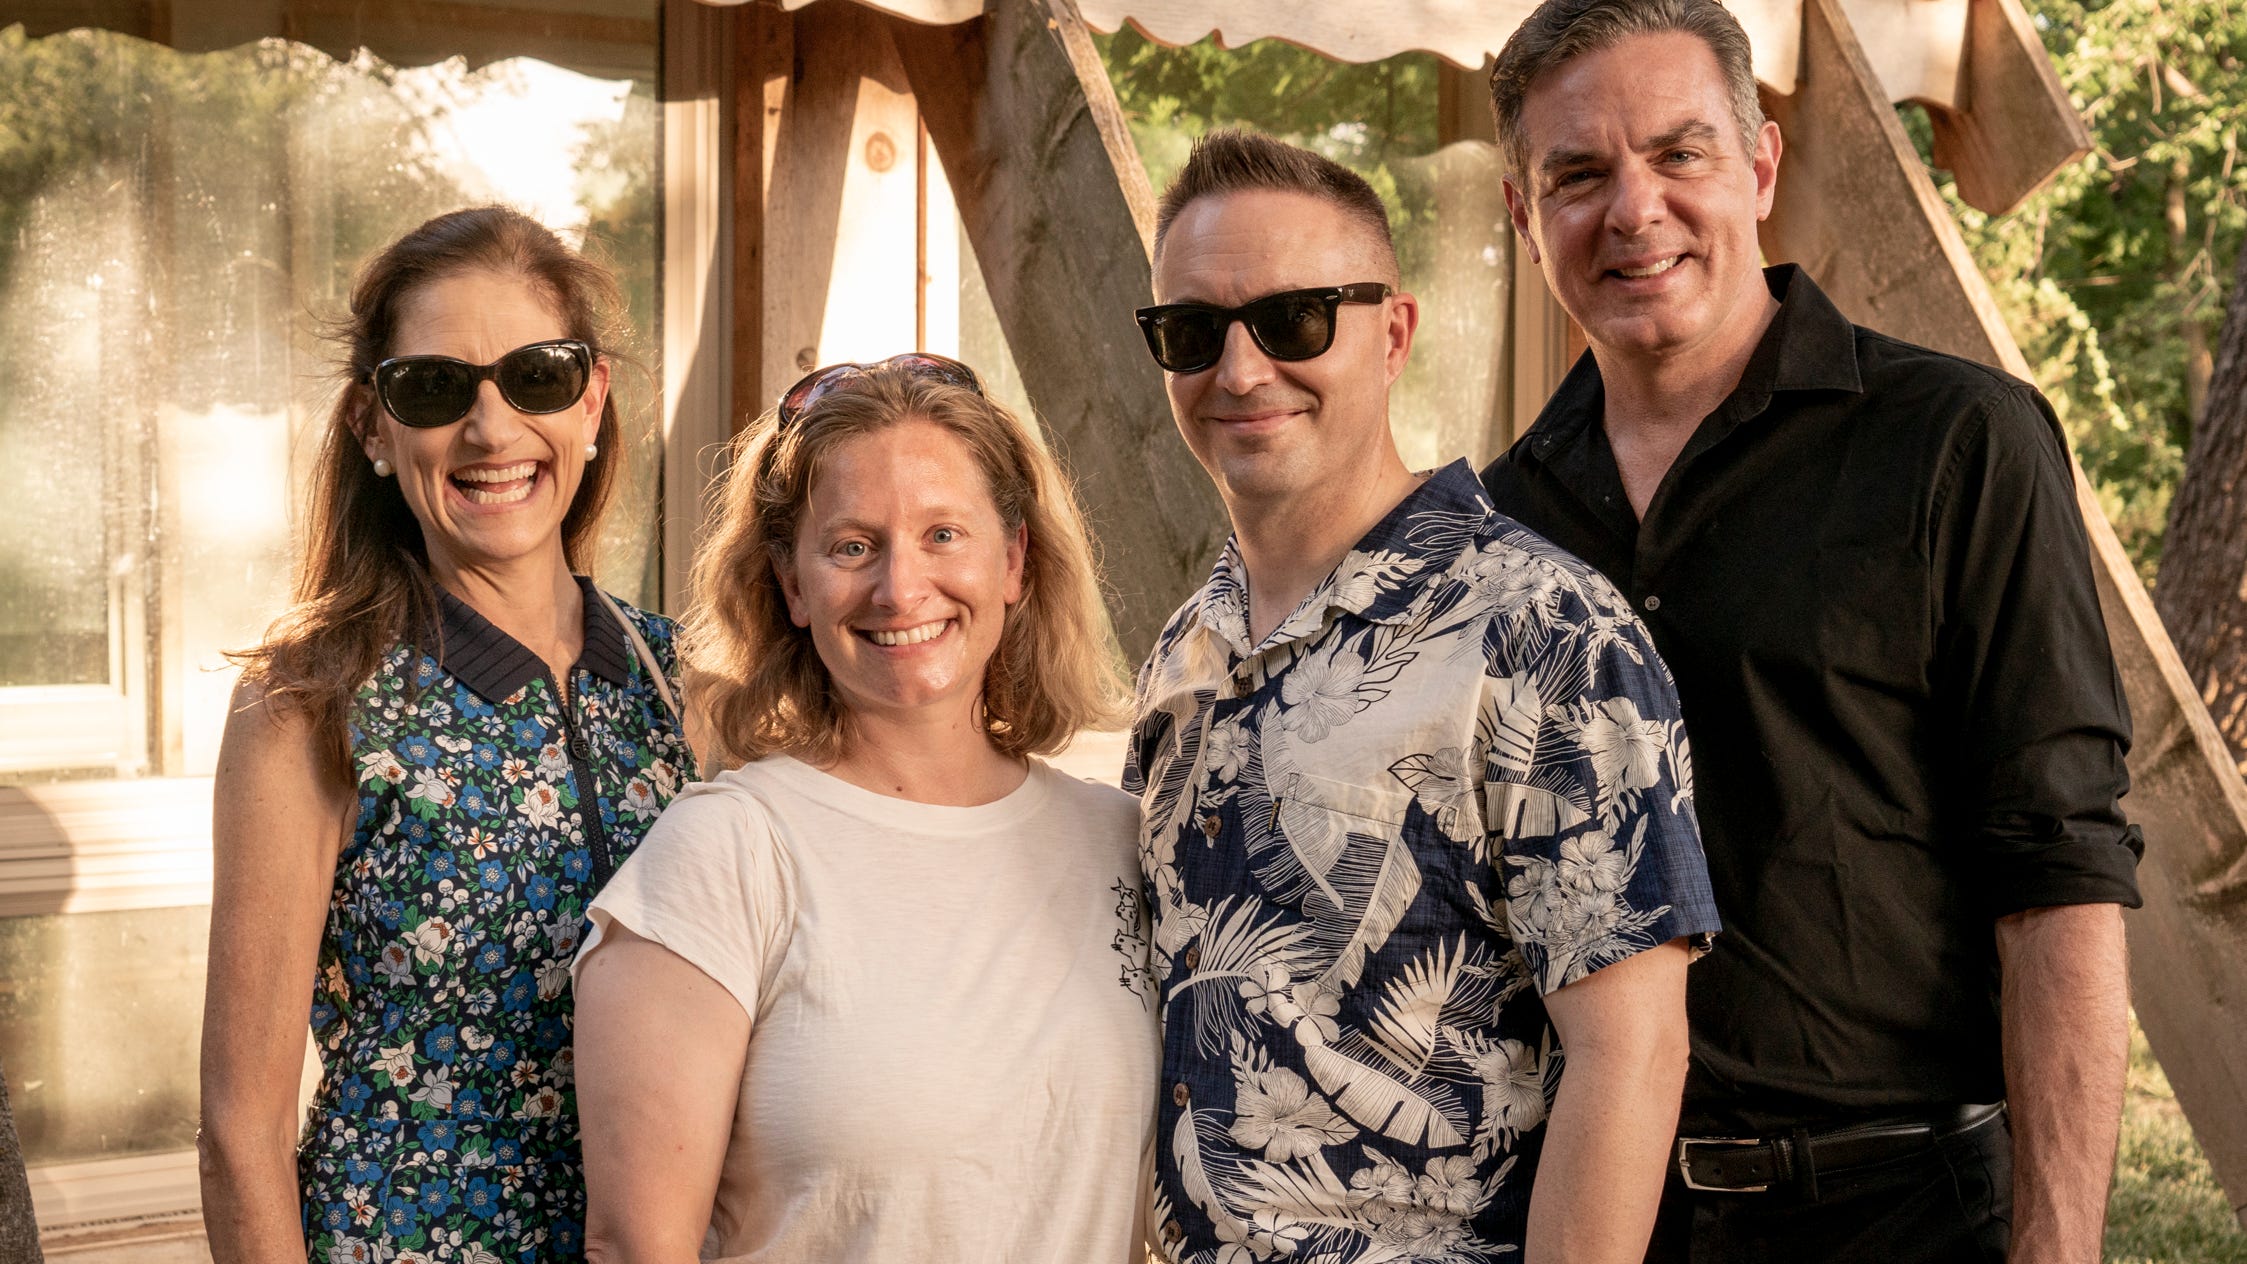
<point>1867,573</point>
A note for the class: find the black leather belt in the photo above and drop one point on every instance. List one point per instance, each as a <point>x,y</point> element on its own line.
<point>1750,1165</point>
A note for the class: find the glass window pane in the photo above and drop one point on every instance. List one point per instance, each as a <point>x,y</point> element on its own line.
<point>99,1023</point>
<point>174,226</point>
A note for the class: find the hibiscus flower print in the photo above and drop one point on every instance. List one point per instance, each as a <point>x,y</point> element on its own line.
<point>1276,1112</point>
<point>1224,750</point>
<point>1626,750</point>
<point>1513,1086</point>
<point>1515,582</point>
<point>1320,693</point>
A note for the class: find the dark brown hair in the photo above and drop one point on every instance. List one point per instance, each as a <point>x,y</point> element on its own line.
<point>759,677</point>
<point>362,581</point>
<point>1559,31</point>
<point>1235,160</point>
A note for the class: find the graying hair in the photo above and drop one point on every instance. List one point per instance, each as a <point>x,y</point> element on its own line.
<point>1559,31</point>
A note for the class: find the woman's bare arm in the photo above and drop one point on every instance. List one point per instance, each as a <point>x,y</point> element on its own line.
<point>660,1048</point>
<point>278,824</point>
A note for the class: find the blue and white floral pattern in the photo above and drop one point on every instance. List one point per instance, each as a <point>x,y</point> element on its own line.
<point>445,1126</point>
<point>1453,780</point>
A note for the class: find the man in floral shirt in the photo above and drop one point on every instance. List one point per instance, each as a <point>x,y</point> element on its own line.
<point>1419,836</point>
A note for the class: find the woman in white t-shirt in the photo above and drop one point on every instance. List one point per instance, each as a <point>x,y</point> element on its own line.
<point>880,992</point>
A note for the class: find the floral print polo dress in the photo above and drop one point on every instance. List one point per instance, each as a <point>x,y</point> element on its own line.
<point>490,814</point>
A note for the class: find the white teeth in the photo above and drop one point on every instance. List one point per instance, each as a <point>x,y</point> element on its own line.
<point>910,636</point>
<point>507,474</point>
<point>1654,270</point>
<point>524,473</point>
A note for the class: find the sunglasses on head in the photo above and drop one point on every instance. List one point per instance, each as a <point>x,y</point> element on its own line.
<point>820,383</point>
<point>424,391</point>
<point>1289,325</point>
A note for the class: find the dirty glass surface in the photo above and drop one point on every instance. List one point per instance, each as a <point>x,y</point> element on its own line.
<point>99,1021</point>
<point>174,229</point>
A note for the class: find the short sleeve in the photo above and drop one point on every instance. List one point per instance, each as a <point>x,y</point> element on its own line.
<point>711,884</point>
<point>1589,788</point>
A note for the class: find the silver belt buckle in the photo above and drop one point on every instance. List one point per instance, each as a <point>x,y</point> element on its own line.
<point>1685,1169</point>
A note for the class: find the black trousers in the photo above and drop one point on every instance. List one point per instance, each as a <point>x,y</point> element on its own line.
<point>1951,1204</point>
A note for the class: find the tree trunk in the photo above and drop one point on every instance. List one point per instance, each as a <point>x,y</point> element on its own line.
<point>2197,363</point>
<point>2202,593</point>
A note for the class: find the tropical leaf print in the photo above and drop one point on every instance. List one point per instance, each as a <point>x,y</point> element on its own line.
<point>1243,945</point>
<point>1405,1022</point>
<point>1422,1114</point>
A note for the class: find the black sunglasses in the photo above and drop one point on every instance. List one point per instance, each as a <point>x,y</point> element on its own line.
<point>1289,325</point>
<point>820,383</point>
<point>426,391</point>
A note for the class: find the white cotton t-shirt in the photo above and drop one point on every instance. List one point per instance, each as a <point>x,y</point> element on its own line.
<point>952,1050</point>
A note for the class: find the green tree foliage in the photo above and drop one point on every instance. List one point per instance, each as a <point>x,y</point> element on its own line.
<point>1370,117</point>
<point>2117,271</point>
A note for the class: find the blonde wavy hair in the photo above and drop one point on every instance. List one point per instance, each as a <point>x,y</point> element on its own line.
<point>755,675</point>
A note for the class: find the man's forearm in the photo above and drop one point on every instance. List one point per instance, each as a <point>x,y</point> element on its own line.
<point>1599,1178</point>
<point>2067,1034</point>
<point>1607,1145</point>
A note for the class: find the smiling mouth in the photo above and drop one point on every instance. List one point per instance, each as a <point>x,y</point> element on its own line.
<point>893,637</point>
<point>1650,270</point>
<point>504,485</point>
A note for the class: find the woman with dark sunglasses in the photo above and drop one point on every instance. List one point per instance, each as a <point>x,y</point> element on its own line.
<point>435,760</point>
<point>880,992</point>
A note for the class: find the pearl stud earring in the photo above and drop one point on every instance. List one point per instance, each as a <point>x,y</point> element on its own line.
<point>592,450</point>
<point>382,468</point>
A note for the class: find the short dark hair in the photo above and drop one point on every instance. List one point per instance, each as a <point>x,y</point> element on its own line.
<point>1235,160</point>
<point>1560,31</point>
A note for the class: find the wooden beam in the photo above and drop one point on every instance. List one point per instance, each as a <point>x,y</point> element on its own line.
<point>803,206</point>
<point>2013,127</point>
<point>1858,209</point>
<point>698,122</point>
<point>763,61</point>
<point>1058,209</point>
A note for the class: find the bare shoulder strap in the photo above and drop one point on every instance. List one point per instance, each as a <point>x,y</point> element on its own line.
<point>647,656</point>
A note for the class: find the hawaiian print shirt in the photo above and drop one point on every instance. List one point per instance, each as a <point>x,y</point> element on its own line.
<point>490,814</point>
<point>1451,781</point>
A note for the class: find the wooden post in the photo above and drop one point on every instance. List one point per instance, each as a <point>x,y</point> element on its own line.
<point>1857,208</point>
<point>1057,205</point>
<point>697,244</point>
<point>763,61</point>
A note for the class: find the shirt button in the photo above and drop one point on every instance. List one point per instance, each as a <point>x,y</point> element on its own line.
<point>1653,603</point>
<point>1173,1232</point>
<point>1211,825</point>
<point>1178,1094</point>
<point>1193,958</point>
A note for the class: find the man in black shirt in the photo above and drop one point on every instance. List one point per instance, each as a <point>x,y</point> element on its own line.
<point>1862,562</point>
